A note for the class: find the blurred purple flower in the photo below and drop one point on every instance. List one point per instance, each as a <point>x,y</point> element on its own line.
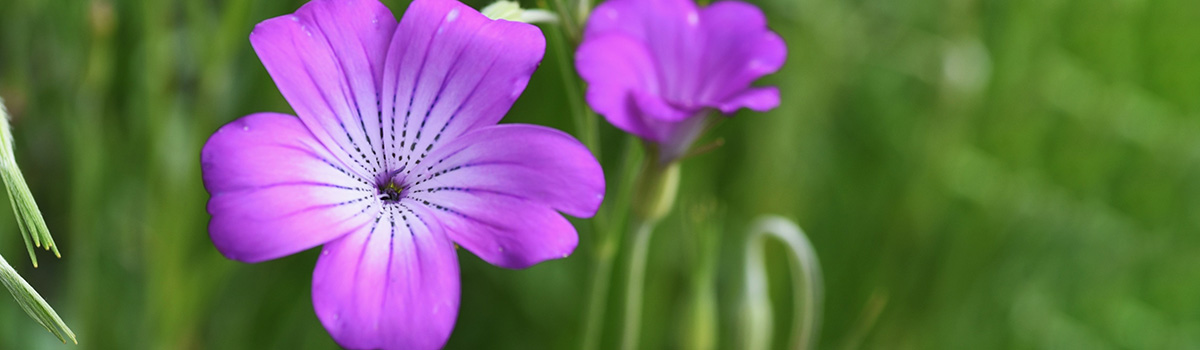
<point>394,158</point>
<point>657,68</point>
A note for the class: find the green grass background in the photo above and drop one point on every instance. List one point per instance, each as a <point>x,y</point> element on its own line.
<point>996,174</point>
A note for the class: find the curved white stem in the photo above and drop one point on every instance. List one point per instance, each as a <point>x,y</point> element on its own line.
<point>807,285</point>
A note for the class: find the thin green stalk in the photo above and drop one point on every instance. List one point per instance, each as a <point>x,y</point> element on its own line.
<point>583,118</point>
<point>567,20</point>
<point>636,285</point>
<point>591,132</point>
<point>588,131</point>
<point>698,329</point>
<point>597,299</point>
<point>605,252</point>
<point>582,9</point>
<point>653,199</point>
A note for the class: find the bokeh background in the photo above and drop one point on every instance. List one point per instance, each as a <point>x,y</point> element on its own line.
<point>996,174</point>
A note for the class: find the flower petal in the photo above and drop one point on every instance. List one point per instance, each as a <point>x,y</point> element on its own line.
<point>656,109</point>
<point>641,60</point>
<point>621,73</point>
<point>615,66</point>
<point>393,284</point>
<point>758,99</point>
<point>689,59</point>
<point>669,30</point>
<point>276,190</point>
<point>449,70</point>
<point>327,60</point>
<point>679,137</point>
<point>497,188</point>
<point>739,50</point>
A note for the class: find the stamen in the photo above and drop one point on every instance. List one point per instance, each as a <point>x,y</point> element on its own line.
<point>390,192</point>
<point>390,188</point>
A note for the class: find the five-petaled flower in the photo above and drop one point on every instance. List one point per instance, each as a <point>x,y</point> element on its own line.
<point>394,159</point>
<point>657,68</point>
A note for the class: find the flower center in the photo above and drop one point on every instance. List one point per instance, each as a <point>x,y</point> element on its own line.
<point>390,186</point>
<point>390,192</point>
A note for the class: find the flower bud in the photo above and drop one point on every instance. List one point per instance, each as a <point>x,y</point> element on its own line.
<point>656,190</point>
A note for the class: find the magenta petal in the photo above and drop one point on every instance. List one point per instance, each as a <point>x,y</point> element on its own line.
<point>276,190</point>
<point>615,66</point>
<point>375,99</point>
<point>505,231</point>
<point>758,99</point>
<point>449,70</point>
<point>669,30</point>
<point>657,109</point>
<point>651,65</point>
<point>390,285</point>
<point>497,190</point>
<point>740,49</point>
<point>654,21</point>
<point>327,60</point>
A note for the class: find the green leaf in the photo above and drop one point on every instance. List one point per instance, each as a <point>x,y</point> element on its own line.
<point>33,231</point>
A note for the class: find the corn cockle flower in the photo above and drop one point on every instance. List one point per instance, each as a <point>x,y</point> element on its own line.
<point>658,68</point>
<point>395,158</point>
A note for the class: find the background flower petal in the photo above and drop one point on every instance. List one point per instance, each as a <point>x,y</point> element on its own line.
<point>759,99</point>
<point>276,190</point>
<point>327,60</point>
<point>497,190</point>
<point>449,70</point>
<point>642,20</point>
<point>687,58</point>
<point>614,66</point>
<point>670,31</point>
<point>654,108</point>
<point>739,49</point>
<point>392,284</point>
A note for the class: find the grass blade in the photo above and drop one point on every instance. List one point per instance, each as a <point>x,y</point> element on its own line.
<point>33,232</point>
<point>33,304</point>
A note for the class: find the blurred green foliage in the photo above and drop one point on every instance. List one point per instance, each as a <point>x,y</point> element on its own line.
<point>974,174</point>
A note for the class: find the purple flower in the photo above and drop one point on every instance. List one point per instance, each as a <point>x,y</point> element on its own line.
<point>394,159</point>
<point>657,68</point>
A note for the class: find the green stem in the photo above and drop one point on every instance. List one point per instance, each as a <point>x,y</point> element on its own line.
<point>605,252</point>
<point>601,277</point>
<point>583,118</point>
<point>591,131</point>
<point>582,9</point>
<point>566,19</point>
<point>653,199</point>
<point>564,42</point>
<point>636,284</point>
<point>699,319</point>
